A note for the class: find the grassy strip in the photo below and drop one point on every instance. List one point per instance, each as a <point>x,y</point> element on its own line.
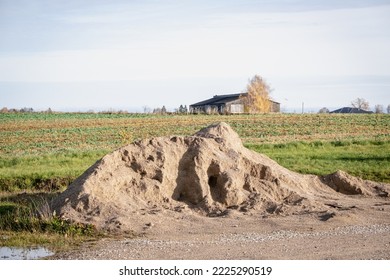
<point>26,219</point>
<point>35,182</point>
<point>53,241</point>
<point>32,212</point>
<point>15,217</point>
<point>49,173</point>
<point>366,159</point>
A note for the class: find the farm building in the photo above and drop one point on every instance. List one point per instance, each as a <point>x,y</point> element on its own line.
<point>351,110</point>
<point>228,103</point>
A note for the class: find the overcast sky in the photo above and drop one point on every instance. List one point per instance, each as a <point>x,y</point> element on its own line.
<point>95,54</point>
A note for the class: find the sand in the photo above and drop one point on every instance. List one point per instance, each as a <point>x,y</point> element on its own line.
<point>201,190</point>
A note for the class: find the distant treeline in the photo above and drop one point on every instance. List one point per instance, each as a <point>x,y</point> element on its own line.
<point>146,110</point>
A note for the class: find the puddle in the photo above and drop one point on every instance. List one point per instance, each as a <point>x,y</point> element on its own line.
<point>13,253</point>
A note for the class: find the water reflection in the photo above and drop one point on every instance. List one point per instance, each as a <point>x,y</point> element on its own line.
<point>11,253</point>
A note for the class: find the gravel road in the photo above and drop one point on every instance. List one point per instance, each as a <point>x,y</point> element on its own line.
<point>345,242</point>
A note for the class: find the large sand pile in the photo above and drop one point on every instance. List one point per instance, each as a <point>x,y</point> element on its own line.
<point>208,174</point>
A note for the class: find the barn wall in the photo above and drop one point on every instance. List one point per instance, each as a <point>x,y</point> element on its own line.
<point>275,107</point>
<point>235,107</point>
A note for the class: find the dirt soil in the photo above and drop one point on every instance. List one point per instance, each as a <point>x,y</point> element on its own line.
<point>208,197</point>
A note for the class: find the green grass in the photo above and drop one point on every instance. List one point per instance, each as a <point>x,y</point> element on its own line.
<point>31,212</point>
<point>48,172</point>
<point>366,159</point>
<point>52,241</point>
<point>26,219</point>
<point>42,134</point>
<point>48,151</point>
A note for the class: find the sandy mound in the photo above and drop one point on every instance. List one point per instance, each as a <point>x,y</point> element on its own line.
<point>208,174</point>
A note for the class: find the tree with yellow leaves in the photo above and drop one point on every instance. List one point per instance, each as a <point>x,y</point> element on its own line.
<point>257,97</point>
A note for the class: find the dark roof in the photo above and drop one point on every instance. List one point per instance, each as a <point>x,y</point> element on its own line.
<point>220,99</point>
<point>351,110</point>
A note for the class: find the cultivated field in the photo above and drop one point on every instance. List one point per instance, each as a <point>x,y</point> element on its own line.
<point>42,134</point>
<point>50,150</point>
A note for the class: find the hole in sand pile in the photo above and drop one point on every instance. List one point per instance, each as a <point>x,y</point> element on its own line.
<point>215,182</point>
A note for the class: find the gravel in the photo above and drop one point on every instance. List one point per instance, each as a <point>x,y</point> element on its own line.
<point>348,242</point>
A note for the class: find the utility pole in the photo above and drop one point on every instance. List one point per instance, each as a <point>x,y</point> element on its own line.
<point>303,107</point>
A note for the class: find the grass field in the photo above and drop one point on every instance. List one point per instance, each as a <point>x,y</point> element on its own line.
<point>42,134</point>
<point>366,159</point>
<point>41,154</point>
<point>47,151</point>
